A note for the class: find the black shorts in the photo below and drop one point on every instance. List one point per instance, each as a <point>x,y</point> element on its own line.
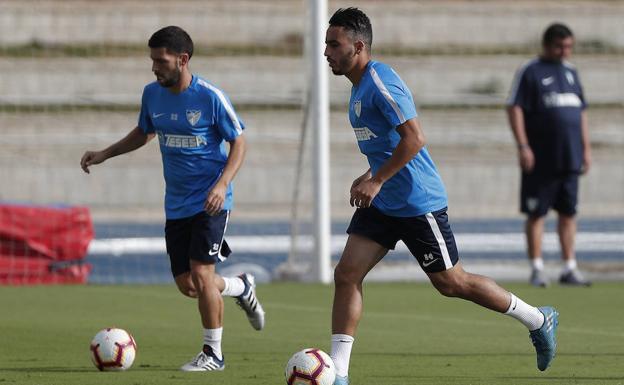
<point>539,193</point>
<point>428,237</point>
<point>199,237</point>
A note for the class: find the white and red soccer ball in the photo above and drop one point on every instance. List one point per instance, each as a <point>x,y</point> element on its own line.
<point>113,349</point>
<point>310,366</point>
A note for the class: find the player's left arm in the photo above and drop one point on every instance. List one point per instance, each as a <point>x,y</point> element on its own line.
<point>586,144</point>
<point>584,129</point>
<point>236,155</point>
<point>412,141</point>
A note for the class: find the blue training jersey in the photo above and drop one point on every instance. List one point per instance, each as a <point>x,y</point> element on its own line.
<point>380,103</point>
<point>551,97</point>
<point>192,128</point>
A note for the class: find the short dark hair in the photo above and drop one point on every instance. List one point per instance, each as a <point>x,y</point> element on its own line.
<point>556,31</point>
<point>172,38</point>
<point>355,21</point>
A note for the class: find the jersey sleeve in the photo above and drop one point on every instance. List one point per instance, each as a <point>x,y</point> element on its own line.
<point>145,121</point>
<point>520,93</point>
<point>393,98</point>
<point>228,123</point>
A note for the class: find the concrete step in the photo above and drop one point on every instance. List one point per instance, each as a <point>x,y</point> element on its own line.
<point>472,148</point>
<point>396,23</point>
<point>434,80</point>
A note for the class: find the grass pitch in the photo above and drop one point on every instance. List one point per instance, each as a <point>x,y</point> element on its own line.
<point>409,335</point>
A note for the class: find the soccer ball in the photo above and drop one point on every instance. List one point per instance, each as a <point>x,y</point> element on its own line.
<point>310,367</point>
<point>113,349</point>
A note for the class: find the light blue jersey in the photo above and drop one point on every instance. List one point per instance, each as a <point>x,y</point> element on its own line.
<point>380,103</point>
<point>192,128</point>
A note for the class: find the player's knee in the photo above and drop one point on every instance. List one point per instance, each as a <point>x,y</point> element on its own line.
<point>339,276</point>
<point>446,290</point>
<point>188,291</point>
<point>448,287</point>
<point>203,279</point>
<point>184,283</point>
<point>344,276</point>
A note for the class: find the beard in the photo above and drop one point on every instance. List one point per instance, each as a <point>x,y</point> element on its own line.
<point>337,71</point>
<point>343,64</point>
<point>171,79</point>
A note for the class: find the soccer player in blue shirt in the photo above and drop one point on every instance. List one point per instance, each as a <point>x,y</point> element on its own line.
<point>401,197</point>
<point>192,120</point>
<point>547,115</point>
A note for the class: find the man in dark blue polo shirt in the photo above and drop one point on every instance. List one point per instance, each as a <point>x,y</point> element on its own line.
<point>546,109</point>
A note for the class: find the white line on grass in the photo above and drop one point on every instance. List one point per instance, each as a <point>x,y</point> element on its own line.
<point>468,242</point>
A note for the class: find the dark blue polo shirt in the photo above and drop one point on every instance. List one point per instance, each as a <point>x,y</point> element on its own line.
<point>551,97</point>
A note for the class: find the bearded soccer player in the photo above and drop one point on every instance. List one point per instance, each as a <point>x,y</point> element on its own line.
<point>401,197</point>
<point>193,119</point>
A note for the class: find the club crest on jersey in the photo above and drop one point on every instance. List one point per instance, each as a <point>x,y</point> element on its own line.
<point>570,77</point>
<point>193,116</point>
<point>357,107</point>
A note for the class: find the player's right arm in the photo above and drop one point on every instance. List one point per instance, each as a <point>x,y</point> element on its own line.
<point>412,141</point>
<point>520,98</point>
<point>516,121</point>
<point>367,175</point>
<point>135,139</point>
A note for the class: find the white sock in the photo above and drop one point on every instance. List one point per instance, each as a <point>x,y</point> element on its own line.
<point>212,338</point>
<point>537,263</point>
<point>234,287</point>
<point>570,265</point>
<point>341,345</point>
<point>528,315</point>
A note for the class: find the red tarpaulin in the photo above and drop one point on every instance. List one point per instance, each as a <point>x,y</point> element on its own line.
<point>44,245</point>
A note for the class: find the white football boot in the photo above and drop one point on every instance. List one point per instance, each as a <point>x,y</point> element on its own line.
<point>204,362</point>
<point>249,302</point>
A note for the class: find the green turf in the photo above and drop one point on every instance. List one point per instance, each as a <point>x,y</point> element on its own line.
<point>409,335</point>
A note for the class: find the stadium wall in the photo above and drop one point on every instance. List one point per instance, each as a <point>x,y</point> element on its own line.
<point>458,57</point>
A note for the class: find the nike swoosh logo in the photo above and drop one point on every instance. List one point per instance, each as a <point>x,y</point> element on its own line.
<point>425,264</point>
<point>548,80</point>
<point>211,252</point>
<point>154,116</point>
